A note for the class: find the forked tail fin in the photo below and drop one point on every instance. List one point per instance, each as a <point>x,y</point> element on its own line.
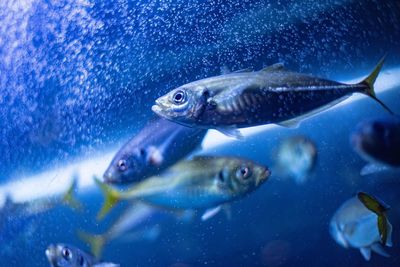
<point>369,82</point>
<point>379,208</point>
<point>69,198</point>
<point>96,242</point>
<point>111,198</point>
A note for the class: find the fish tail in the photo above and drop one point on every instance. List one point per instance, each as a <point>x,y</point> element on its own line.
<point>111,198</point>
<point>69,198</point>
<point>370,80</point>
<point>379,208</point>
<point>96,242</point>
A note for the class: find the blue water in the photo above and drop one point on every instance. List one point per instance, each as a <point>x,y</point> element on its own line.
<point>78,77</point>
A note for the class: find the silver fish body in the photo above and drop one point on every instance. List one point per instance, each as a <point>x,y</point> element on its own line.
<point>353,225</point>
<point>157,146</point>
<point>62,255</point>
<point>199,183</point>
<point>202,182</point>
<point>271,95</point>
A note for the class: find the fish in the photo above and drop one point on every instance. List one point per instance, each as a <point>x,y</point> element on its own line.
<point>139,221</point>
<point>203,182</point>
<point>19,221</point>
<point>63,255</point>
<point>296,158</point>
<point>378,142</point>
<point>251,98</point>
<point>361,223</point>
<point>157,146</point>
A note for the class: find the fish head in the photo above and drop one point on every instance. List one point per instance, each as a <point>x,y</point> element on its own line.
<point>182,105</point>
<point>132,164</point>
<point>370,138</point>
<point>240,177</point>
<point>61,255</point>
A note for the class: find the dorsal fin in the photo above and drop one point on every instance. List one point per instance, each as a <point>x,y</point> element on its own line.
<point>275,67</point>
<point>243,70</point>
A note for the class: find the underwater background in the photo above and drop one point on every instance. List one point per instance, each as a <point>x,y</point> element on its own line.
<point>78,79</point>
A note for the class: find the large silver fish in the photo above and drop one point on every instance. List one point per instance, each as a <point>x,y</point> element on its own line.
<point>246,98</point>
<point>200,183</point>
<point>157,146</point>
<point>62,255</point>
<point>361,223</point>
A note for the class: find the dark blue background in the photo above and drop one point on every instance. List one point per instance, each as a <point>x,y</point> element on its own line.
<point>76,78</point>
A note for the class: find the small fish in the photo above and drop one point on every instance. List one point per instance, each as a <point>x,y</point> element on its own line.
<point>378,142</point>
<point>245,98</point>
<point>62,255</point>
<point>138,222</point>
<point>296,158</point>
<point>200,183</point>
<point>361,223</point>
<point>156,147</point>
<point>20,221</point>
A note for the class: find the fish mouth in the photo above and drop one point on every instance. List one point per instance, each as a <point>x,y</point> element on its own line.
<point>109,178</point>
<point>51,254</point>
<point>265,174</point>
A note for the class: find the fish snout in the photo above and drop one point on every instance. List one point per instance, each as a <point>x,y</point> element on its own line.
<point>265,174</point>
<point>51,252</point>
<point>109,177</point>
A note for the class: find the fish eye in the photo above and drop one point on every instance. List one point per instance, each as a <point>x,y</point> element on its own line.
<point>142,152</point>
<point>243,172</point>
<point>221,176</point>
<point>80,260</point>
<point>66,253</point>
<point>179,97</point>
<point>121,165</point>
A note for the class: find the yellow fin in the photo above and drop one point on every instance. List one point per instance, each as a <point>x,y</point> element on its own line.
<point>96,242</point>
<point>111,198</point>
<point>69,199</point>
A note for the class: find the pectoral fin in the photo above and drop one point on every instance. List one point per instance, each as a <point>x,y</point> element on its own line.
<point>209,213</point>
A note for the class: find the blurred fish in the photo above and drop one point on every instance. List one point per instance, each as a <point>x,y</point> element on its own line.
<point>138,222</point>
<point>361,223</point>
<point>245,98</point>
<point>61,255</point>
<point>19,221</point>
<point>378,142</point>
<point>156,147</point>
<point>296,158</point>
<point>200,183</point>
<point>14,211</point>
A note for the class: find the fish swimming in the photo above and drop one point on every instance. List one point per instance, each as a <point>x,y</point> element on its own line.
<point>138,222</point>
<point>246,98</point>
<point>24,214</point>
<point>378,142</point>
<point>157,146</point>
<point>204,182</point>
<point>296,158</point>
<point>62,255</point>
<point>361,223</point>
